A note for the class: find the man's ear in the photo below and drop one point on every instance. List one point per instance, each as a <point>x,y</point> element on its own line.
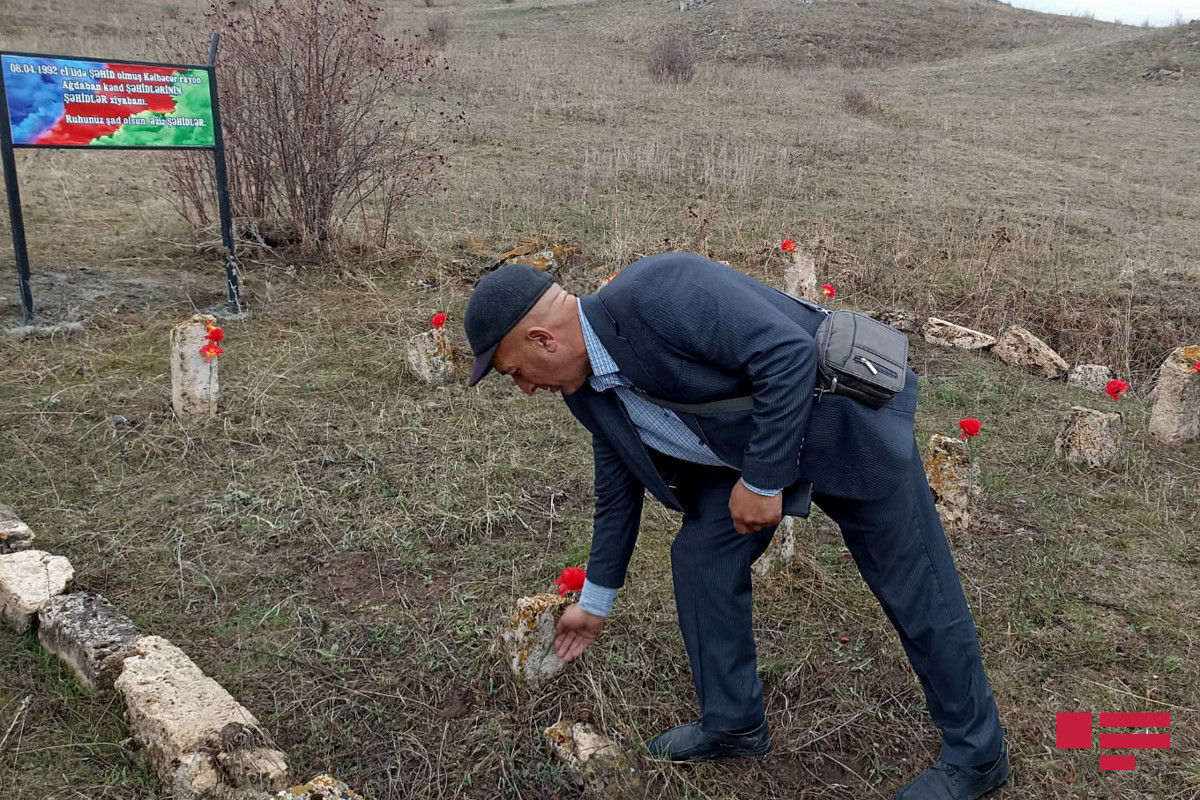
<point>543,338</point>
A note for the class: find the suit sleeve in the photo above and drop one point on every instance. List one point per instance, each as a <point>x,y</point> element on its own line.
<point>720,318</point>
<point>617,519</point>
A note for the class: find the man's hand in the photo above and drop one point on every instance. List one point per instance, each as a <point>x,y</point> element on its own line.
<point>576,629</point>
<point>752,511</point>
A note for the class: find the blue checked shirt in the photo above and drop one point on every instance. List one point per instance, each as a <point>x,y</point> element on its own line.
<point>658,428</point>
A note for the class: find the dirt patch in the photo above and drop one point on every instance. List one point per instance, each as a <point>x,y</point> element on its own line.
<point>360,583</point>
<point>77,294</point>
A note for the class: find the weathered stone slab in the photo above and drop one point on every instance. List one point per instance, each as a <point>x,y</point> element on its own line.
<point>780,552</point>
<point>195,384</point>
<point>27,580</point>
<point>322,787</point>
<point>1019,347</point>
<point>429,357</point>
<point>947,334</point>
<point>201,742</point>
<point>88,635</point>
<point>1091,438</point>
<point>44,331</point>
<point>1175,415</point>
<point>529,639</point>
<point>954,481</point>
<point>14,534</point>
<point>800,279</point>
<point>595,759</point>
<point>1091,377</point>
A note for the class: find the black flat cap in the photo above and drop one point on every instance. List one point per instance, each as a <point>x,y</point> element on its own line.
<point>499,301</point>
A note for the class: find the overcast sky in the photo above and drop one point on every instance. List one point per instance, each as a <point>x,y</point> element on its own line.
<point>1131,12</point>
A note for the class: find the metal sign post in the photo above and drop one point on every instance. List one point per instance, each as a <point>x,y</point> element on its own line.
<point>14,210</point>
<point>231,265</point>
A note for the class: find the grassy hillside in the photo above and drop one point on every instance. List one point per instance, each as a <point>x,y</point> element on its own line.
<point>340,548</point>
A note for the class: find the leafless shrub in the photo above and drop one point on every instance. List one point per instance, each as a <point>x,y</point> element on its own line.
<point>672,59</point>
<point>1166,63</point>
<point>857,101</point>
<point>430,3</point>
<point>313,137</point>
<point>438,30</point>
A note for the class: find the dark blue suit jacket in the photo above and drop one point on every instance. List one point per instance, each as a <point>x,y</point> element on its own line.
<point>689,330</point>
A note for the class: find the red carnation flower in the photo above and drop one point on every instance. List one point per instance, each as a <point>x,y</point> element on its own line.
<point>970,427</point>
<point>787,246</point>
<point>570,580</point>
<point>1115,389</point>
<point>439,319</point>
<point>211,351</point>
<point>214,334</point>
<point>828,290</point>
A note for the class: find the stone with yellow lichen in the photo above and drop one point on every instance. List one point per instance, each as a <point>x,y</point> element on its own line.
<point>954,481</point>
<point>1176,412</point>
<point>430,357</point>
<point>322,787</point>
<point>597,760</point>
<point>529,639</point>
<point>1091,438</point>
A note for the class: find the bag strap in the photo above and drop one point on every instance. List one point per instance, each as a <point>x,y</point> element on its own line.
<point>714,407</point>
<point>733,403</point>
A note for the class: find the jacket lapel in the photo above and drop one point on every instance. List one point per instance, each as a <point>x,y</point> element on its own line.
<point>619,348</point>
<point>604,415</point>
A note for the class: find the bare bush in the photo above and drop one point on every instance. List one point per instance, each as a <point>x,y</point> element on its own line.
<point>857,101</point>
<point>1166,63</point>
<point>438,30</point>
<point>312,133</point>
<point>430,3</point>
<point>672,59</point>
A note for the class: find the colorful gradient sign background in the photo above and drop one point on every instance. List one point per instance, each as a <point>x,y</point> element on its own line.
<point>65,102</point>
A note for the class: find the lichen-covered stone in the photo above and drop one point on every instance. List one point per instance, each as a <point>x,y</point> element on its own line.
<point>954,481</point>
<point>1175,415</point>
<point>780,552</point>
<point>14,534</point>
<point>201,741</point>
<point>529,639</point>
<point>322,787</point>
<point>88,635</point>
<point>1091,438</point>
<point>195,383</point>
<point>27,580</point>
<point>595,759</point>
<point>947,334</point>
<point>801,277</point>
<point>1019,347</point>
<point>898,318</point>
<point>429,357</point>
<point>1091,377</point>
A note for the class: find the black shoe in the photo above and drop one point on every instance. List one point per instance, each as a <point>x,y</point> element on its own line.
<point>692,743</point>
<point>945,781</point>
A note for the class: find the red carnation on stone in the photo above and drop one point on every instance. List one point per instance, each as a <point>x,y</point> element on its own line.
<point>214,334</point>
<point>570,580</point>
<point>1115,389</point>
<point>211,351</point>
<point>970,427</point>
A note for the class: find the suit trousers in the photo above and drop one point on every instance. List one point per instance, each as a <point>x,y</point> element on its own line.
<point>901,551</point>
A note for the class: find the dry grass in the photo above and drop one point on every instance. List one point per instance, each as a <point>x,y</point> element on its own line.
<point>339,549</point>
